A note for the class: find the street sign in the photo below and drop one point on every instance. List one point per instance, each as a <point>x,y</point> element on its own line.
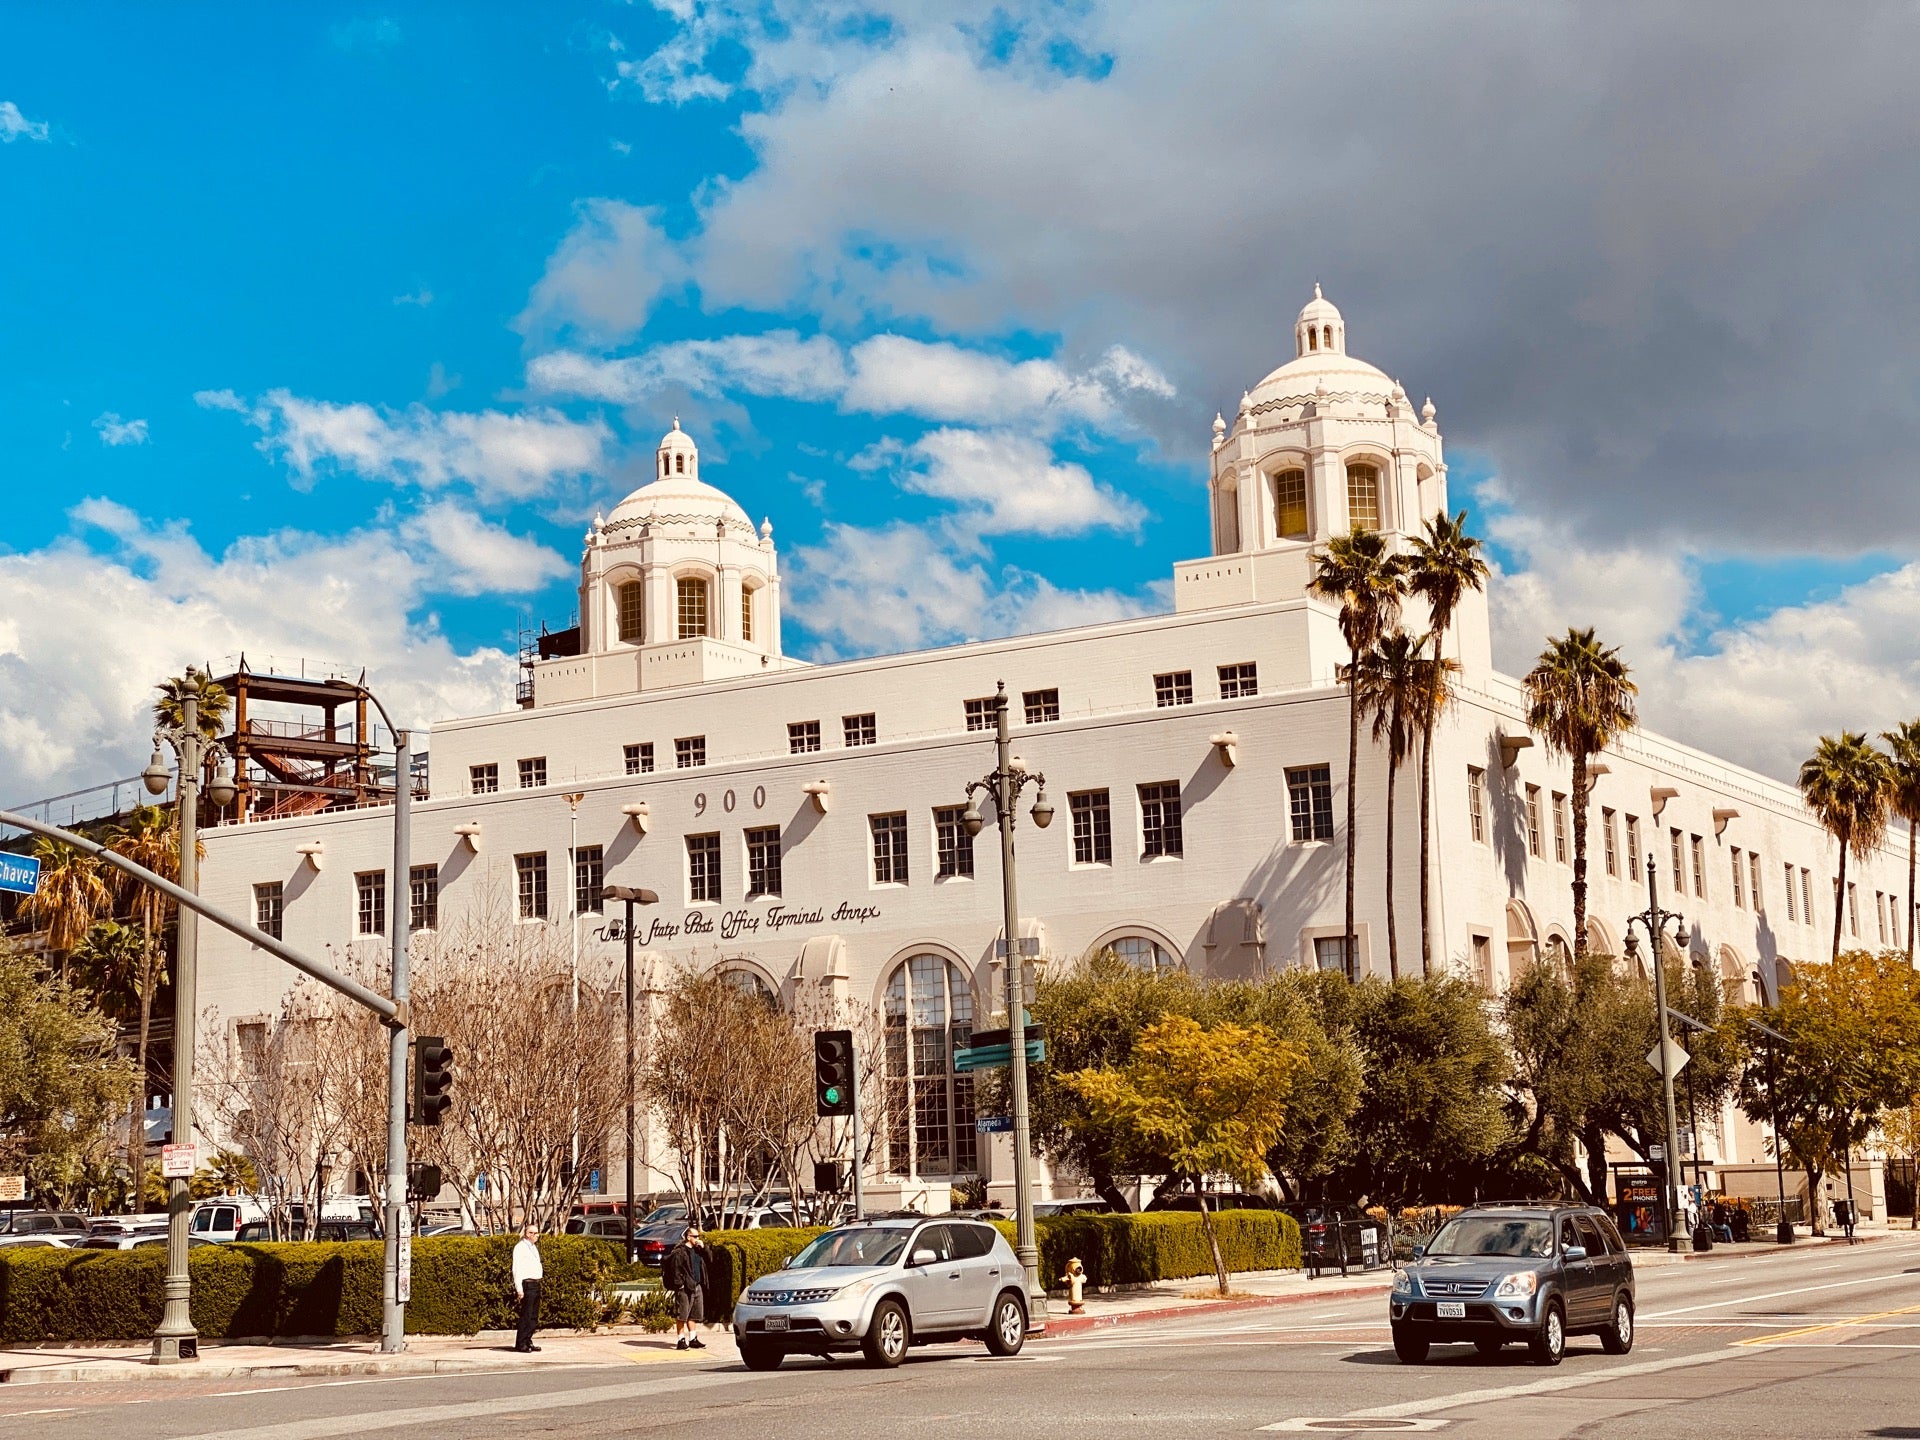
<point>993,1124</point>
<point>176,1162</point>
<point>19,874</point>
<point>1029,945</point>
<point>996,1057</point>
<point>403,1276</point>
<point>13,1188</point>
<point>1676,1057</point>
<point>1656,1151</point>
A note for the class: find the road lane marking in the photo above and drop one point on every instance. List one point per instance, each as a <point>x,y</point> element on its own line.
<point>1851,1322</point>
<point>1777,1294</point>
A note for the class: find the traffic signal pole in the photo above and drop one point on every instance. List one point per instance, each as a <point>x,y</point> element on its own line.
<point>399,1245</point>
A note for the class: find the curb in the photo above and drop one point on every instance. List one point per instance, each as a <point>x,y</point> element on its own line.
<point>110,1371</point>
<point>1080,1324</point>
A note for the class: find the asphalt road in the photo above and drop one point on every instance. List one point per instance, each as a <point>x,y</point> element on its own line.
<point>1819,1342</point>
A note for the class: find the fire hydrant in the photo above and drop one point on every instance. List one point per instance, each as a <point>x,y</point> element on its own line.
<point>1076,1282</point>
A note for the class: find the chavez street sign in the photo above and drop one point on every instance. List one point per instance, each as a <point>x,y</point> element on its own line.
<point>19,874</point>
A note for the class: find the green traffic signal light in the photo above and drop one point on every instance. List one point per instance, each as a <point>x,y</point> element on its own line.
<point>833,1095</point>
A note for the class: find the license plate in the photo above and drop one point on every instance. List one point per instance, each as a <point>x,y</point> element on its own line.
<point>776,1322</point>
<point>1447,1309</point>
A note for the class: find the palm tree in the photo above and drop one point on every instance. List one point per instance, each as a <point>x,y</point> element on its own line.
<point>1392,683</point>
<point>1445,564</point>
<point>1848,785</point>
<point>1903,748</point>
<point>1580,699</point>
<point>1362,576</point>
<point>73,892</point>
<point>150,840</point>
<point>214,702</point>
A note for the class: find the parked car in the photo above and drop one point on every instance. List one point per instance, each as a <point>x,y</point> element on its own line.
<point>1081,1205</point>
<point>123,1232</point>
<point>1497,1274</point>
<point>66,1224</point>
<point>43,1242</point>
<point>1335,1236</point>
<point>220,1220</point>
<point>256,1232</point>
<point>605,1227</point>
<point>881,1287</point>
<point>1215,1200</point>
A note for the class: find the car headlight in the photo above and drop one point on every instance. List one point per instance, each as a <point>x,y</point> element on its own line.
<point>1403,1284</point>
<point>1520,1283</point>
<point>856,1291</point>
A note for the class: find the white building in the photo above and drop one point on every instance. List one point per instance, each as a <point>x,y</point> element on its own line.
<point>802,822</point>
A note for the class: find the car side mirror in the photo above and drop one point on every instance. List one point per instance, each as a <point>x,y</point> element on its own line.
<point>786,1262</point>
<point>1574,1252</point>
<point>923,1257</point>
<point>1418,1251</point>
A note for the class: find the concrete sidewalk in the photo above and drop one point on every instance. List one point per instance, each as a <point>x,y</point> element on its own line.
<point>492,1350</point>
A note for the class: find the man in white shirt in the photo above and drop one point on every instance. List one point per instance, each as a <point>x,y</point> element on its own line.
<point>527,1275</point>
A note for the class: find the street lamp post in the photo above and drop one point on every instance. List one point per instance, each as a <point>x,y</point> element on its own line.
<point>632,895</point>
<point>176,1340</point>
<point>1783,1227</point>
<point>1004,785</point>
<point>1655,921</point>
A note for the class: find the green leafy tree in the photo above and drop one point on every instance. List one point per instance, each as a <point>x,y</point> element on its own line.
<point>1212,1100</point>
<point>227,1172</point>
<point>1444,565</point>
<point>62,1086</point>
<point>1903,763</point>
<point>1900,1132</point>
<point>1580,699</point>
<point>1360,574</point>
<point>1848,785</point>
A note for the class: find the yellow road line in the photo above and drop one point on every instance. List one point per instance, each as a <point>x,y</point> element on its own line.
<point>1851,1322</point>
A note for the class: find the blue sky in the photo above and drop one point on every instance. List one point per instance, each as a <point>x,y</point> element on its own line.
<point>327,329</point>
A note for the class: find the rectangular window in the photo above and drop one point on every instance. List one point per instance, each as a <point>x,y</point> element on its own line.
<point>857,729</point>
<point>533,773</point>
<point>1559,827</point>
<point>1477,803</point>
<point>1607,839</point>
<point>803,737</point>
<point>980,713</point>
<point>1363,497</point>
<point>1880,914</point>
<point>690,593</point>
<point>639,758</point>
<point>1290,504</point>
<point>1633,846</point>
<point>1173,688</point>
<point>1483,961</point>
<point>1791,915</point>
<point>889,848</point>
<point>690,752</point>
<point>1533,821</point>
<point>763,861</point>
<point>1042,706</point>
<point>1806,895</point>
<point>1853,910</point>
<point>1310,802</point>
<point>1330,953</point>
<point>483,779</point>
<point>589,874</point>
<point>1893,917</point>
<point>1679,863</point>
<point>952,845</point>
<point>703,869</point>
<point>269,908</point>
<point>1699,867</point>
<point>746,613</point>
<point>423,884</point>
<point>1092,827</point>
<point>630,604</point>
<point>1753,874</point>
<point>370,890</point>
<point>1237,682</point>
<point>1739,881</point>
<point>1160,820</point>
<point>530,871</point>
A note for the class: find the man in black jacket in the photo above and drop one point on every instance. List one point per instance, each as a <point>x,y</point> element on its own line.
<point>684,1276</point>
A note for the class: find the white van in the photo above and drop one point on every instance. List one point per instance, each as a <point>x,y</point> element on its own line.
<point>219,1219</point>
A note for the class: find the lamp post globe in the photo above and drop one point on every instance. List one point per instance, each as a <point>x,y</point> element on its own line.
<point>156,775</point>
<point>1042,809</point>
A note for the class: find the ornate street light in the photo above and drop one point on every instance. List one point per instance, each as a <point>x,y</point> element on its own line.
<point>632,895</point>
<point>1655,921</point>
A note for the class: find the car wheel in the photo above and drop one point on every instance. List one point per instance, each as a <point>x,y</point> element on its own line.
<point>1549,1342</point>
<point>1617,1338</point>
<point>1008,1332</point>
<point>1411,1348</point>
<point>1489,1345</point>
<point>888,1336</point>
<point>760,1356</point>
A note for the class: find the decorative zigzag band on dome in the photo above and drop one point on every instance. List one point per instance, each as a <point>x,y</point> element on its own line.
<point>1266,407</point>
<point>638,522</point>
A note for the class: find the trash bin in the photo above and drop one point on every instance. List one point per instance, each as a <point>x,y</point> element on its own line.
<point>1702,1237</point>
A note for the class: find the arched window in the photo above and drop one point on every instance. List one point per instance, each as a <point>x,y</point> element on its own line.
<point>1363,496</point>
<point>1290,504</point>
<point>746,612</point>
<point>929,1013</point>
<point>629,601</point>
<point>691,592</point>
<point>1326,336</point>
<point>679,464</point>
<point>1143,954</point>
<point>1313,338</point>
<point>749,982</point>
<point>1735,978</point>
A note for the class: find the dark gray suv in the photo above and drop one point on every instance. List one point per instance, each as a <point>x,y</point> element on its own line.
<point>1496,1274</point>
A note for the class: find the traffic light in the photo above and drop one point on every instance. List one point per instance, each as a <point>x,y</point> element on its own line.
<point>432,1079</point>
<point>829,1177</point>
<point>833,1072</point>
<point>423,1182</point>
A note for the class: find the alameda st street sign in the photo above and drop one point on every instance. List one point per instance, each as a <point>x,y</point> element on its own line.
<point>19,874</point>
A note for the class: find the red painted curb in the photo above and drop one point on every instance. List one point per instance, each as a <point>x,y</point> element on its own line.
<point>1080,1324</point>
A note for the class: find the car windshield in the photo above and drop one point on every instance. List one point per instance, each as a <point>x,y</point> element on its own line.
<point>869,1245</point>
<point>660,1214</point>
<point>1493,1235</point>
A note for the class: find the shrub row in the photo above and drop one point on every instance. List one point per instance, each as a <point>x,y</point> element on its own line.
<point>461,1285</point>
<point>739,1257</point>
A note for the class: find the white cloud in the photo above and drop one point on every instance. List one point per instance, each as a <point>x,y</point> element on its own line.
<point>603,281</point>
<point>882,375</point>
<point>115,432</point>
<point>899,587</point>
<point>15,126</point>
<point>1007,483</point>
<point>499,455</point>
<point>88,634</point>
<point>475,558</point>
<point>422,298</point>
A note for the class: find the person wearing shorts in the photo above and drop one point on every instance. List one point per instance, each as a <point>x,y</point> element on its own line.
<point>684,1274</point>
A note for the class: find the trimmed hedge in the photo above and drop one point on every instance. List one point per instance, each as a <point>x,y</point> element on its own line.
<point>461,1285</point>
<point>739,1257</point>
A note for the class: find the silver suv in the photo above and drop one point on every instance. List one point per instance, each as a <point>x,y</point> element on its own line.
<point>885,1285</point>
<point>1495,1274</point>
